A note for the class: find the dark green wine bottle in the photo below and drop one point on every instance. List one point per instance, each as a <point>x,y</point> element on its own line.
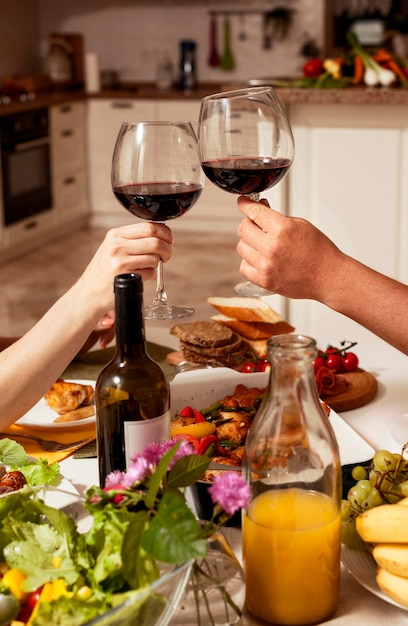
<point>132,394</point>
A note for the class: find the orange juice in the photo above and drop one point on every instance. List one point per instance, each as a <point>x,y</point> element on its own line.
<point>291,551</point>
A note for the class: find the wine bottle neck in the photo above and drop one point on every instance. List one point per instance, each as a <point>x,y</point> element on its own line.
<point>129,321</point>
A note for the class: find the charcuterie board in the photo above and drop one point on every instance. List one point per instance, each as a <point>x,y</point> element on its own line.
<point>362,388</point>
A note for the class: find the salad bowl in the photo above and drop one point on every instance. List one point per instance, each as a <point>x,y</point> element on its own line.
<point>150,605</point>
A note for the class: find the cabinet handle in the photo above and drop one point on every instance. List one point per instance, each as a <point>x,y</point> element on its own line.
<point>69,181</point>
<point>67,133</point>
<point>121,105</point>
<point>67,108</point>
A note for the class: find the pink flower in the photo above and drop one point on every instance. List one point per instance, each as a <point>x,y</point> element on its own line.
<point>114,480</point>
<point>230,491</point>
<point>185,449</point>
<point>137,471</point>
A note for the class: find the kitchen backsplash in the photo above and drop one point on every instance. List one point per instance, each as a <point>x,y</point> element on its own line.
<point>132,37</point>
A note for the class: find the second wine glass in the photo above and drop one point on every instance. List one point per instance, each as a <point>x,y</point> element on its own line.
<point>246,146</point>
<point>156,176</point>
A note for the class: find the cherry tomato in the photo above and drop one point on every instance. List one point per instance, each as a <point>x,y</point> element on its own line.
<point>318,363</point>
<point>350,362</point>
<point>313,68</point>
<point>33,598</point>
<point>332,350</point>
<point>263,366</point>
<point>334,362</point>
<point>248,368</point>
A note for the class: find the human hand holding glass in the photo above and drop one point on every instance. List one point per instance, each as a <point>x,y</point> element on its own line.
<point>246,146</point>
<point>156,176</point>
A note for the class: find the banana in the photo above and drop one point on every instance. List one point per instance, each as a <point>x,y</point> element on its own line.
<point>387,523</point>
<point>396,587</point>
<point>392,557</point>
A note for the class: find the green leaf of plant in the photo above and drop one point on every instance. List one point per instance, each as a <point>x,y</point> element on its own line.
<point>174,534</point>
<point>12,453</point>
<point>159,475</point>
<point>188,470</point>
<point>137,571</point>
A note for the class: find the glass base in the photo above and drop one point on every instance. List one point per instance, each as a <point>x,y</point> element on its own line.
<point>249,290</point>
<point>160,311</point>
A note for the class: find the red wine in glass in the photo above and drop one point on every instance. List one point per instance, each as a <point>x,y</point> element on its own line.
<point>156,176</point>
<point>246,146</point>
<point>246,175</point>
<point>158,202</point>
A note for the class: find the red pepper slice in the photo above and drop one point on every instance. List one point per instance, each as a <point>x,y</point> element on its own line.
<point>198,416</point>
<point>195,442</point>
<point>205,443</point>
<point>187,412</point>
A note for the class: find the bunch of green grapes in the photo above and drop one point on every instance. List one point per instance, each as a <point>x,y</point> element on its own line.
<point>384,481</point>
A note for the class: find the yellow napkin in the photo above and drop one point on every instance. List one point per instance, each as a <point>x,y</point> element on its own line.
<point>62,435</point>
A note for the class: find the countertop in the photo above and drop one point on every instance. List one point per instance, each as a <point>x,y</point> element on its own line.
<point>288,95</point>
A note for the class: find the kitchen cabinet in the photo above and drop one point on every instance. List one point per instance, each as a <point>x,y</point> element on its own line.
<point>68,162</point>
<point>349,179</point>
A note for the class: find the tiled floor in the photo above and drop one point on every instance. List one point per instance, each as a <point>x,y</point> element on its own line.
<point>203,264</point>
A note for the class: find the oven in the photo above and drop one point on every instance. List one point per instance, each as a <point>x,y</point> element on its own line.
<point>25,165</point>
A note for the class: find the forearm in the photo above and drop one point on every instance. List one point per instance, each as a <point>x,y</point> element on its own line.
<point>31,365</point>
<point>373,300</point>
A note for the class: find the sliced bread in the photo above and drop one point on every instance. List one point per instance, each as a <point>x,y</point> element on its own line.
<point>245,309</point>
<point>254,330</point>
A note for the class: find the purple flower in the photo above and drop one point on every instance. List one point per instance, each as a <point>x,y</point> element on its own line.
<point>230,491</point>
<point>185,449</point>
<point>137,471</point>
<point>114,480</point>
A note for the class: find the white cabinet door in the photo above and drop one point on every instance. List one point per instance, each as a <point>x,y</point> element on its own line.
<point>104,120</point>
<point>69,161</point>
<point>348,179</point>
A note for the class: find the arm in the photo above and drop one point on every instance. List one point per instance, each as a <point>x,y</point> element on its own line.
<point>30,365</point>
<point>289,256</point>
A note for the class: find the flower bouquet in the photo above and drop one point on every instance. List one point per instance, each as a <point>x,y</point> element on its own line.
<point>132,563</point>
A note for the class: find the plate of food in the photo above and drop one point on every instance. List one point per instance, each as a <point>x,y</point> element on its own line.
<point>17,470</point>
<point>361,565</point>
<point>201,388</point>
<point>67,404</point>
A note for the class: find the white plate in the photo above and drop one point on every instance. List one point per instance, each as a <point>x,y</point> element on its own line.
<point>363,568</point>
<point>59,496</point>
<point>41,416</point>
<point>199,388</point>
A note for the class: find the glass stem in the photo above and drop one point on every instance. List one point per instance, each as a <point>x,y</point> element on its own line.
<point>161,295</point>
<point>254,196</point>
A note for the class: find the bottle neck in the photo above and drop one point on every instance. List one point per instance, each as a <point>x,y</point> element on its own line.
<point>129,325</point>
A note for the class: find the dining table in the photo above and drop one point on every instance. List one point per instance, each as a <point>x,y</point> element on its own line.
<point>382,422</point>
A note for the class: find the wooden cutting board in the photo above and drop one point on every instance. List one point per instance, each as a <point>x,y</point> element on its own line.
<point>361,390</point>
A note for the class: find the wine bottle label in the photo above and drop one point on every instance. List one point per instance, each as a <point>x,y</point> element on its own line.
<point>139,434</point>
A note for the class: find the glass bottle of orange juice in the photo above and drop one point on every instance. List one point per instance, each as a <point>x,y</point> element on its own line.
<point>291,528</point>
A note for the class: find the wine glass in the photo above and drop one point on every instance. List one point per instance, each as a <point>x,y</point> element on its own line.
<point>246,146</point>
<point>156,175</point>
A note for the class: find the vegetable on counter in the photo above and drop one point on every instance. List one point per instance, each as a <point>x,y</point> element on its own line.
<point>379,68</point>
<point>356,66</point>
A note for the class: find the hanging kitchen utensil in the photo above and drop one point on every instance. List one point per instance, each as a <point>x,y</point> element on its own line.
<point>227,60</point>
<point>213,58</point>
<point>242,34</point>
